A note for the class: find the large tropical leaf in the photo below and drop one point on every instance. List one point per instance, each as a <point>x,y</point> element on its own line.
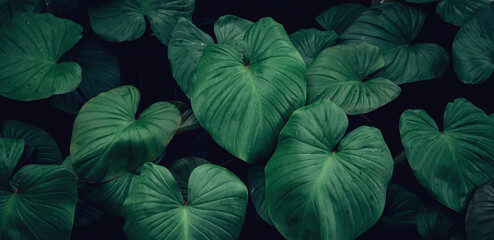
<point>155,209</point>
<point>479,222</point>
<point>40,148</point>
<point>439,223</point>
<point>318,187</point>
<point>451,162</point>
<point>342,74</point>
<point>125,20</point>
<point>100,73</point>
<point>310,42</point>
<point>244,107</point>
<point>257,190</point>
<point>392,27</point>
<point>459,12</point>
<point>30,49</point>
<point>9,8</point>
<point>36,202</point>
<point>473,49</point>
<point>339,18</point>
<point>108,140</point>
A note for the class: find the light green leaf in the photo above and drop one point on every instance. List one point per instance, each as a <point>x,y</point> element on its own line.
<point>459,12</point>
<point>108,140</point>
<point>392,27</point>
<point>100,73</point>
<point>38,201</point>
<point>30,49</point>
<point>124,20</point>
<point>155,208</point>
<point>473,46</point>
<point>257,190</point>
<point>343,75</point>
<point>260,95</point>
<point>339,18</point>
<point>450,163</point>
<point>318,187</point>
<point>40,148</point>
<point>310,42</point>
<point>181,170</point>
<point>186,45</point>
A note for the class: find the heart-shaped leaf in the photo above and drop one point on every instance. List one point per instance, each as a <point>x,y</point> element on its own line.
<point>181,170</point>
<point>473,46</point>
<point>30,49</point>
<point>100,73</point>
<point>125,20</point>
<point>392,27</point>
<point>215,208</point>
<point>479,222</point>
<point>318,187</point>
<point>339,18</point>
<point>38,201</point>
<point>341,74</point>
<point>452,162</point>
<point>9,9</point>
<point>257,189</point>
<point>260,95</point>
<point>310,42</point>
<point>439,223</point>
<point>40,148</point>
<point>107,139</point>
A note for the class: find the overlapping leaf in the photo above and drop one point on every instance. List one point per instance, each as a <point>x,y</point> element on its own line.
<point>244,107</point>
<point>339,18</point>
<point>318,187</point>
<point>452,162</point>
<point>479,222</point>
<point>310,42</point>
<point>30,49</point>
<point>257,189</point>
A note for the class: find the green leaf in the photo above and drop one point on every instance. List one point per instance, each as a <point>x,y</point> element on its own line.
<point>181,170</point>
<point>186,45</point>
<point>10,9</point>
<point>100,73</point>
<point>343,75</point>
<point>108,140</point>
<point>479,222</point>
<point>85,214</point>
<point>392,27</point>
<point>459,12</point>
<point>260,95</point>
<point>339,18</point>
<point>38,201</point>
<point>230,30</point>
<point>124,20</point>
<point>155,208</point>
<point>310,42</point>
<point>40,148</point>
<point>422,1</point>
<point>472,49</point>
<point>30,49</point>
<point>189,120</point>
<point>318,187</point>
<point>450,163</point>
<point>257,189</point>
<point>438,223</point>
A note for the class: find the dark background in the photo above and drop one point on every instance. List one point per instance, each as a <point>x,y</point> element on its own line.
<point>144,64</point>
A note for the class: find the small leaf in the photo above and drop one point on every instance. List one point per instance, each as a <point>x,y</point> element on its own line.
<point>310,42</point>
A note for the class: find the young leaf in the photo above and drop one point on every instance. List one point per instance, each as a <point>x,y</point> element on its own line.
<point>392,27</point>
<point>340,74</point>
<point>244,107</point>
<point>124,20</point>
<point>30,49</point>
<point>310,42</point>
<point>473,46</point>
<point>107,139</point>
<point>450,163</point>
<point>155,208</point>
<point>339,18</point>
<point>318,187</point>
